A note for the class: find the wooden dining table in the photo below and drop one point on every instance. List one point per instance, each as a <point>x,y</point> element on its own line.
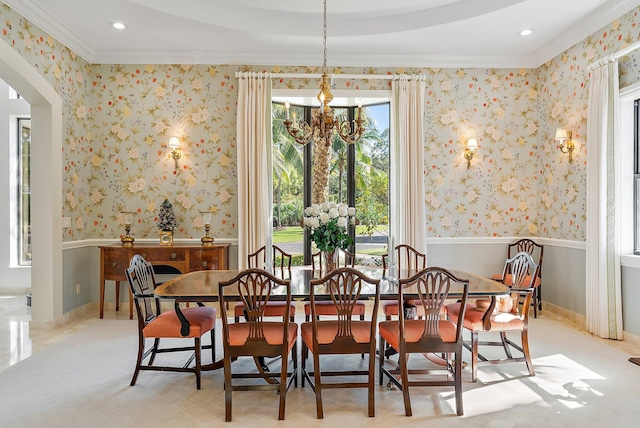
<point>202,286</point>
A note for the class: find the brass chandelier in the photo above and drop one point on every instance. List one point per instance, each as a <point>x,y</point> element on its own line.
<point>323,122</point>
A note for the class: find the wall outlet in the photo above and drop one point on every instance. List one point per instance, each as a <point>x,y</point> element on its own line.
<point>77,289</point>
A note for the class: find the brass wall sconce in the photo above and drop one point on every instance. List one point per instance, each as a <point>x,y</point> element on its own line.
<point>127,239</point>
<point>563,137</point>
<point>174,145</point>
<point>207,240</point>
<point>470,150</point>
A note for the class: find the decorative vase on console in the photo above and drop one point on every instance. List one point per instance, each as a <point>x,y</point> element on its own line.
<point>328,223</point>
<point>166,223</point>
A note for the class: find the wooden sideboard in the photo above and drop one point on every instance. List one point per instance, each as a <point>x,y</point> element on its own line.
<point>114,260</point>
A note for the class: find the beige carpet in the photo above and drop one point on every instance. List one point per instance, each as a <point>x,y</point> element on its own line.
<point>84,382</point>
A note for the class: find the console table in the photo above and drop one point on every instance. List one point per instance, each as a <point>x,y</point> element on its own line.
<point>114,260</point>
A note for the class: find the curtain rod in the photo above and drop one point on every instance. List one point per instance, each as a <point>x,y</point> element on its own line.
<point>240,74</point>
<point>607,59</point>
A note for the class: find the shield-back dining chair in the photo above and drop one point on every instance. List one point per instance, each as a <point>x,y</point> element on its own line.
<point>430,334</point>
<point>342,336</point>
<point>282,261</point>
<point>155,325</point>
<point>256,335</point>
<point>536,251</point>
<point>511,317</point>
<point>408,259</point>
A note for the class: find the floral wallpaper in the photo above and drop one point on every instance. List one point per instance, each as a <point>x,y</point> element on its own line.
<point>118,120</point>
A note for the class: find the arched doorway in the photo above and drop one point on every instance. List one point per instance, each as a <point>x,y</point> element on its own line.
<point>46,114</point>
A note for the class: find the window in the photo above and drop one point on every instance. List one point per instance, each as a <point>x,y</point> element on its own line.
<point>24,191</point>
<point>358,176</point>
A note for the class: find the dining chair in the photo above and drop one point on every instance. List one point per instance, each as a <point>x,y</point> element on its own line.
<point>408,259</point>
<point>432,333</point>
<point>253,336</point>
<point>341,336</point>
<point>511,315</point>
<point>282,261</point>
<point>346,259</point>
<point>536,251</point>
<point>155,324</point>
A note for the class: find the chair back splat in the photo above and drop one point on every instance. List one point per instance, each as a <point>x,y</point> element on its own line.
<point>428,290</point>
<point>341,335</point>
<point>256,336</point>
<point>345,259</point>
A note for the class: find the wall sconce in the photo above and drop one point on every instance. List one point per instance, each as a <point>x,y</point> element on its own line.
<point>127,239</point>
<point>207,240</point>
<point>563,137</point>
<point>174,145</point>
<point>472,145</point>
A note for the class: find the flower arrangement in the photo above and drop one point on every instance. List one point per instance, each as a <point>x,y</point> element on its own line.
<point>328,224</point>
<point>166,218</point>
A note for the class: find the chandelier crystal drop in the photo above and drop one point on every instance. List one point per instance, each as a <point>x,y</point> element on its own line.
<point>323,122</point>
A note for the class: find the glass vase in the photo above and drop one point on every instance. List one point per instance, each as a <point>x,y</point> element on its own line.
<point>330,259</point>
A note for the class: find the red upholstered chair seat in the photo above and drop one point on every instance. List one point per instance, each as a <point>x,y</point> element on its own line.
<point>238,333</point>
<point>502,321</point>
<point>167,324</point>
<point>413,331</point>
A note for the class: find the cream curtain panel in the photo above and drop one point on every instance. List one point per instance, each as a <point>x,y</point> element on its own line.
<point>254,164</point>
<point>603,289</point>
<point>407,198</point>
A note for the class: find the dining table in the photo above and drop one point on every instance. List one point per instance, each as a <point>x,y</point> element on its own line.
<point>202,286</point>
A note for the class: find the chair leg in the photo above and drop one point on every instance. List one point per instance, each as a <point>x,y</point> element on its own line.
<point>139,360</point>
<point>227,388</point>
<point>505,345</point>
<point>403,361</point>
<point>283,385</point>
<point>381,346</point>
<point>458,381</point>
<point>316,375</point>
<point>156,345</point>
<point>525,351</point>
<point>474,356</point>
<point>372,381</point>
<point>213,345</point>
<point>198,362</point>
<point>304,354</point>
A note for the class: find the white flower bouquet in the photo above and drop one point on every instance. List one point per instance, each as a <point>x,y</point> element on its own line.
<point>328,223</point>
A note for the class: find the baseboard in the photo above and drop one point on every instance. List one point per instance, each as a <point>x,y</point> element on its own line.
<point>552,311</point>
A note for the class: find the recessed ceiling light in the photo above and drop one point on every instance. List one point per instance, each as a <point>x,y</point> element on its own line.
<point>525,32</point>
<point>118,25</point>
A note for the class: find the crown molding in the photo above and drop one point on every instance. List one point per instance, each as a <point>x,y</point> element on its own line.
<point>573,35</point>
<point>39,17</point>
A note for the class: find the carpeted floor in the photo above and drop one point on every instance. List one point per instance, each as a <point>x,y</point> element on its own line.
<point>83,381</point>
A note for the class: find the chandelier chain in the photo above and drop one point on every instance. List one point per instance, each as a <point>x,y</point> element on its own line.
<point>324,39</point>
<point>323,123</point>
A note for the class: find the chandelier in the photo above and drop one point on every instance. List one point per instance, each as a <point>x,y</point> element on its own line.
<point>323,122</point>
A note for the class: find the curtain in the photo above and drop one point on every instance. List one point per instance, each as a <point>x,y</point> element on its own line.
<point>254,165</point>
<point>603,289</point>
<point>407,199</point>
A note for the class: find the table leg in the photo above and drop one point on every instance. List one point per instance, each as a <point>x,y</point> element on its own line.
<point>101,299</point>
<point>117,295</point>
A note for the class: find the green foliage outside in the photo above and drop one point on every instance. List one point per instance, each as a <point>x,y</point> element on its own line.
<point>371,174</point>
